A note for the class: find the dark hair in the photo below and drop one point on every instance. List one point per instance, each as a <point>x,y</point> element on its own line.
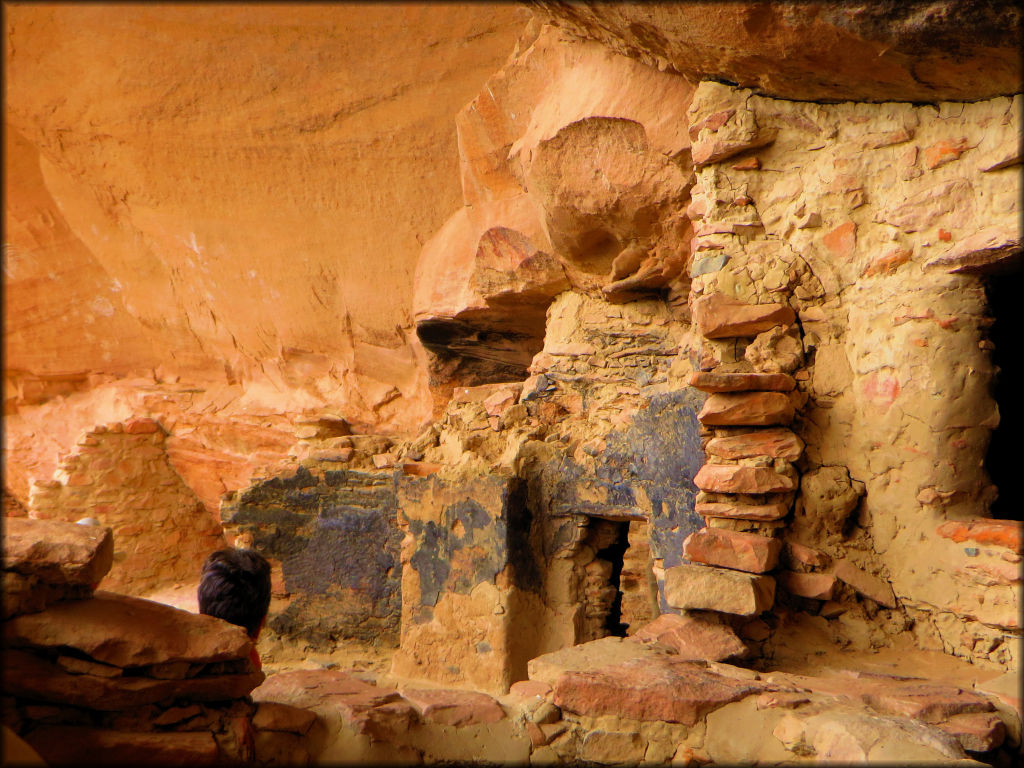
<point>235,586</point>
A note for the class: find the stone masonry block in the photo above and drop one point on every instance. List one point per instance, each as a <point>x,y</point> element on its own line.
<point>733,549</point>
<point>703,588</point>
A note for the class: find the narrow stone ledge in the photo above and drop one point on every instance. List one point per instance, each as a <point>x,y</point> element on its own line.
<point>712,381</point>
<point>759,512</point>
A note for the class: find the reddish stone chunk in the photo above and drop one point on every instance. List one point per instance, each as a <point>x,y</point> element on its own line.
<point>943,152</point>
<point>693,636</point>
<point>667,690</point>
<point>717,316</point>
<point>1003,533</point>
<point>732,549</point>
<point>807,555</point>
<point>817,586</point>
<point>774,443</point>
<point>710,381</point>
<point>720,478</point>
<point>747,409</point>
<point>763,512</point>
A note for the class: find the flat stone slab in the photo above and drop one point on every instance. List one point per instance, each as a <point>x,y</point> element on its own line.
<point>712,381</point>
<point>870,586</point>
<point>30,676</point>
<point>761,512</point>
<point>57,552</point>
<point>774,442</point>
<point>128,631</point>
<point>667,690</point>
<point>733,549</point>
<point>717,316</point>
<point>705,588</point>
<point>694,637</point>
<point>816,586</point>
<point>453,707</point>
<point>733,478</point>
<point>366,708</point>
<point>549,667</point>
<point>912,698</point>
<point>746,409</point>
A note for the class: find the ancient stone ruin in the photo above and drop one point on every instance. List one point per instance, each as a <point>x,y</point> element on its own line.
<point>610,384</point>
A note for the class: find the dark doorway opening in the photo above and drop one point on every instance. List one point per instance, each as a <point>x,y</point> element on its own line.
<point>614,553</point>
<point>1002,461</point>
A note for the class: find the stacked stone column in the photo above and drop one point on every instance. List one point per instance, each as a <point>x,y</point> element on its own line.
<point>748,482</point>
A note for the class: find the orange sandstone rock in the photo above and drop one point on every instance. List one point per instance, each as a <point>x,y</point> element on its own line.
<point>718,316</point>
<point>712,381</point>
<point>693,636</point>
<point>732,549</point>
<point>1003,533</point>
<point>762,512</point>
<point>747,409</point>
<point>775,443</point>
<point>738,479</point>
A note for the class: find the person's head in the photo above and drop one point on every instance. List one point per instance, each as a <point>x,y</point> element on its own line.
<point>235,586</point>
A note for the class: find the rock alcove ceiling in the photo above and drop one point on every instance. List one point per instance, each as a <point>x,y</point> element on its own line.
<point>605,382</point>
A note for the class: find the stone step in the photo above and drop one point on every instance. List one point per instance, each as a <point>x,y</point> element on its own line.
<point>733,549</point>
<point>667,689</point>
<point>753,409</point>
<point>733,478</point>
<point>759,512</point>
<point>694,587</point>
<point>717,316</point>
<point>712,381</point>
<point>776,443</point>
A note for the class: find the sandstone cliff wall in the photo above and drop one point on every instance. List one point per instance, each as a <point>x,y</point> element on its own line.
<point>213,215</point>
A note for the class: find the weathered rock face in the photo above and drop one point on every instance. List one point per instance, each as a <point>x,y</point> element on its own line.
<point>920,50</point>
<point>202,229</point>
<point>567,182</point>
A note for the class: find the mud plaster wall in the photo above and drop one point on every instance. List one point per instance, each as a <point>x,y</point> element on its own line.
<point>880,203</point>
<point>331,536</point>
